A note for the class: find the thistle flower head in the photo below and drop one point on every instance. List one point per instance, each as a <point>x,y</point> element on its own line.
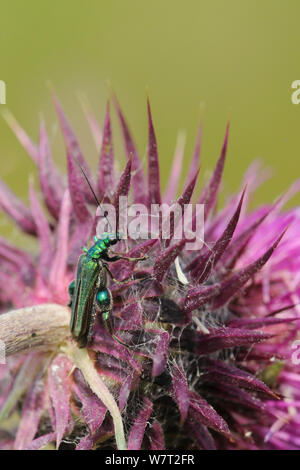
<point>201,355</point>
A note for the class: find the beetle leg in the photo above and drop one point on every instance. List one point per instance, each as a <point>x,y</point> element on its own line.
<point>128,258</point>
<point>110,258</point>
<point>124,281</point>
<point>112,277</point>
<point>108,324</point>
<point>120,342</point>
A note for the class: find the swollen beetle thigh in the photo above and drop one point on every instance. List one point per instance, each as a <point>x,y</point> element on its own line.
<point>103,301</point>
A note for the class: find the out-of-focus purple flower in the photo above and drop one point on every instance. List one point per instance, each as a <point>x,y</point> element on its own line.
<point>210,333</point>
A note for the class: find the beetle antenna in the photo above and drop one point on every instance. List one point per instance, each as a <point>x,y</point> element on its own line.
<point>109,224</point>
<point>91,188</point>
<point>86,179</point>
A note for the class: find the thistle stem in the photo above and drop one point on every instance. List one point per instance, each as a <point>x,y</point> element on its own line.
<point>41,327</point>
<point>83,361</point>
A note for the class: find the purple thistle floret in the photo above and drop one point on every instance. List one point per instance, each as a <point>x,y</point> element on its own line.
<point>210,361</point>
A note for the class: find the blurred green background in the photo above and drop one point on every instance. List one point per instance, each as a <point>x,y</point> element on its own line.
<point>236,57</point>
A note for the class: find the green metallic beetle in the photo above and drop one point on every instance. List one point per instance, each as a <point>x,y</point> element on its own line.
<point>89,294</point>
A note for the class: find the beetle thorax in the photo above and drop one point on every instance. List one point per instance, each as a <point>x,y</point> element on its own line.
<point>100,247</point>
